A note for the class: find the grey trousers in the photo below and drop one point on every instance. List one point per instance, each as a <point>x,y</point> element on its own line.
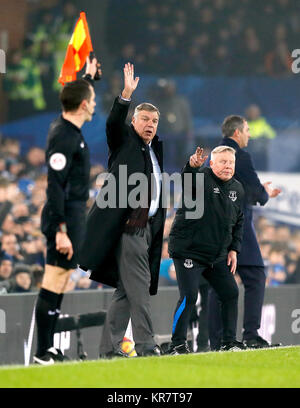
<point>131,299</point>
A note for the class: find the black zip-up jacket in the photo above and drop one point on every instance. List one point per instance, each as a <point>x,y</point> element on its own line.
<point>209,239</point>
<point>68,161</point>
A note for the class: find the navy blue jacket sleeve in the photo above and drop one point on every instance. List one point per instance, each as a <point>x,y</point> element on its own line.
<point>245,173</point>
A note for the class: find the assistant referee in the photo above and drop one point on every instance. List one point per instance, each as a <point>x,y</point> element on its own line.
<point>63,216</point>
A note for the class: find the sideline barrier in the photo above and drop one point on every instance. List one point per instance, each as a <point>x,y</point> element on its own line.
<point>280,320</point>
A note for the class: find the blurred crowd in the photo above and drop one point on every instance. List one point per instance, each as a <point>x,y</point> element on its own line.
<point>34,68</point>
<point>192,37</point>
<point>205,37</point>
<point>23,183</point>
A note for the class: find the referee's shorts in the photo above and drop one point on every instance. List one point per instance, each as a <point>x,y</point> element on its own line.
<point>75,214</point>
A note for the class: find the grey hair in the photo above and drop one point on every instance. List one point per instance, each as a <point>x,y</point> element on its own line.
<point>146,107</point>
<point>222,149</point>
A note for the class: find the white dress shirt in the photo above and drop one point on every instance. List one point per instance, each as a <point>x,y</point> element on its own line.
<point>157,184</point>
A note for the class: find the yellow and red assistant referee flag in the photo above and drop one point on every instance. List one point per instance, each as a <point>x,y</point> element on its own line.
<point>78,50</point>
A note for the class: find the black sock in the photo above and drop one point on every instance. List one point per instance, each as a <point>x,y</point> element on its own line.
<point>57,313</point>
<point>45,314</point>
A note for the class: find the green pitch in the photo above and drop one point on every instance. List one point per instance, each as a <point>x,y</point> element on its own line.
<point>254,368</point>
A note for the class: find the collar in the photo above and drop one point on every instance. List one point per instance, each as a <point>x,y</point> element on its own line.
<point>218,180</point>
<point>67,122</point>
<point>227,141</point>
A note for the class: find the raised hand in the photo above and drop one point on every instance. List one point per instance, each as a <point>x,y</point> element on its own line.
<point>272,192</point>
<point>93,67</point>
<point>130,83</point>
<point>196,160</point>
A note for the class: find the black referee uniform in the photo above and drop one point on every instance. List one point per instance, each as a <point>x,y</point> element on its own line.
<point>63,216</point>
<point>68,161</point>
<point>201,246</point>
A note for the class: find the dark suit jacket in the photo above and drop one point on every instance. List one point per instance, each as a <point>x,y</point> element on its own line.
<point>255,193</point>
<point>105,226</point>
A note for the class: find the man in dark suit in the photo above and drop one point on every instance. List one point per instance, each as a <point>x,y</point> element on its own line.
<point>251,270</point>
<point>123,242</point>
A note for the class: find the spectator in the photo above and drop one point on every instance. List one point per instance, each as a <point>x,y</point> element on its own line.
<point>268,233</point>
<point>6,269</point>
<point>42,30</point>
<point>20,210</point>
<point>23,85</point>
<point>10,247</point>
<point>278,62</point>
<point>8,224</point>
<point>261,134</point>
<point>38,196</point>
<point>19,282</point>
<point>294,275</point>
<point>222,61</point>
<point>276,271</point>
<point>176,119</point>
<point>11,149</point>
<point>46,64</point>
<point>31,250</point>
<point>15,168</point>
<point>35,162</point>
<point>291,269</point>
<point>21,279</point>
<point>265,248</point>
<point>5,201</point>
<point>170,57</point>
<point>258,125</point>
<point>108,97</point>
<point>249,54</point>
<point>63,27</point>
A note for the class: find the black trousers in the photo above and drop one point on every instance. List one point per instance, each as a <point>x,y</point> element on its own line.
<point>188,274</point>
<point>254,280</point>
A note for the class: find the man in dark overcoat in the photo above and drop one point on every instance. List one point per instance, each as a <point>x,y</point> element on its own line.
<point>123,241</point>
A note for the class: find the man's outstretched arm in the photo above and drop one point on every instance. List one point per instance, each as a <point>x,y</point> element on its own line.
<point>116,119</point>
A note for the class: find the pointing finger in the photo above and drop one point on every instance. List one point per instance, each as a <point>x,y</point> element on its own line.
<point>70,253</point>
<point>199,151</point>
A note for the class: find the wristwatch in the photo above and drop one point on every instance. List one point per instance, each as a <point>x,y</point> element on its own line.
<point>62,227</point>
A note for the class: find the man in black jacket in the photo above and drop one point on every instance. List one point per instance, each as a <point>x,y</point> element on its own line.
<point>63,216</point>
<point>208,245</point>
<point>123,242</point>
<point>251,269</point>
